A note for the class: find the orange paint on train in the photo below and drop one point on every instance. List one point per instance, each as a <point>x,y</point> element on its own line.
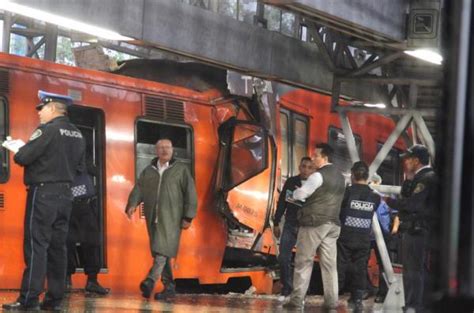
<point>122,101</point>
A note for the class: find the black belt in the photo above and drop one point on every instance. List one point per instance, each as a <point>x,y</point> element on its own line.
<point>64,184</point>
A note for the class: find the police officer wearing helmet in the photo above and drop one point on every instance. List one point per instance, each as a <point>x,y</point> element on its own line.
<point>417,214</point>
<point>51,158</point>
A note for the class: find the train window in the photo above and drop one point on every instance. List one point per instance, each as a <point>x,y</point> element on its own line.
<point>284,144</point>
<point>4,160</point>
<point>391,169</point>
<point>294,142</point>
<point>147,134</point>
<point>341,158</point>
<point>248,153</point>
<point>300,140</point>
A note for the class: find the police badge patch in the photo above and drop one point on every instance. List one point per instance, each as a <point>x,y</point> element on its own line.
<point>37,133</point>
<point>419,188</point>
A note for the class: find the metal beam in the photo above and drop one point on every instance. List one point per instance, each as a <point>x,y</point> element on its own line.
<point>33,49</point>
<point>373,79</point>
<point>425,134</point>
<point>412,96</point>
<point>351,144</point>
<point>51,43</point>
<point>387,146</point>
<point>7,24</point>
<point>382,61</point>
<point>315,37</point>
<point>385,111</point>
<point>373,20</point>
<point>212,38</point>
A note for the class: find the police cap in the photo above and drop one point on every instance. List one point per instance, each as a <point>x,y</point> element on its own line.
<point>47,97</point>
<point>418,151</point>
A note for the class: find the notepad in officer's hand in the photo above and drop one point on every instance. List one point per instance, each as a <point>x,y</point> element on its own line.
<point>13,144</point>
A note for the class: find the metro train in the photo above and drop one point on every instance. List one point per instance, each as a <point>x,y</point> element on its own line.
<point>238,163</point>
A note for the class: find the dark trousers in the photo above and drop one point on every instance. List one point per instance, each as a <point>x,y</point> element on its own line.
<point>287,242</point>
<point>90,255</point>
<point>353,249</point>
<point>48,208</point>
<point>414,252</point>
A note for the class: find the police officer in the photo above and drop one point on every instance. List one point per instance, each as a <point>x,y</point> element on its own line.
<point>51,157</point>
<point>416,213</point>
<point>353,245</point>
<point>290,229</point>
<point>84,229</point>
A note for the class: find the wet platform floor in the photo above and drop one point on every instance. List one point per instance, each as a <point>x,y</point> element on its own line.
<point>189,303</point>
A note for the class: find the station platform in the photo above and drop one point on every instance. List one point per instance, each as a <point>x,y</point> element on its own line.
<point>78,301</point>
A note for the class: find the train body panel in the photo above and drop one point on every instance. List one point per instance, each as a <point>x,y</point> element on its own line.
<point>118,115</point>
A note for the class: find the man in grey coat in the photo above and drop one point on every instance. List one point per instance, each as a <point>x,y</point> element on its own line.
<point>168,193</point>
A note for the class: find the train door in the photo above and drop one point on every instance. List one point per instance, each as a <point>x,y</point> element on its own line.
<point>90,122</point>
<point>4,160</point>
<point>294,142</point>
<point>245,177</point>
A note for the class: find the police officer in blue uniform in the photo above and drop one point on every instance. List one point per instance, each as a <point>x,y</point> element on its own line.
<point>353,245</point>
<point>51,158</point>
<point>417,219</point>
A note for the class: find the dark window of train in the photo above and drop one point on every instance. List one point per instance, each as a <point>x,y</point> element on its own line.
<point>391,169</point>
<point>300,140</point>
<point>248,155</point>
<point>284,145</point>
<point>341,158</point>
<point>148,132</point>
<point>294,142</point>
<point>4,161</point>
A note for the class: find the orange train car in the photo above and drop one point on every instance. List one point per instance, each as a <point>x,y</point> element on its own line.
<point>232,156</point>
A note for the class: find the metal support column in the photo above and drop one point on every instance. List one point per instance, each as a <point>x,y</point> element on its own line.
<point>349,135</point>
<point>395,299</point>
<point>399,129</point>
<point>51,42</point>
<point>7,24</point>
<point>425,134</point>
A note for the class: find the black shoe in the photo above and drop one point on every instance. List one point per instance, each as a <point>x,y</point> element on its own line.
<point>95,287</point>
<point>379,299</point>
<point>50,306</point>
<point>147,287</point>
<point>165,294</point>
<point>18,306</point>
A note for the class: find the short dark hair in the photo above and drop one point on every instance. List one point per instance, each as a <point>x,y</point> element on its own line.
<point>360,170</point>
<point>305,159</point>
<point>326,150</point>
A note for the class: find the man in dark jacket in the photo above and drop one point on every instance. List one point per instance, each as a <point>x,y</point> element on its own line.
<point>353,245</point>
<point>319,228</point>
<point>52,157</point>
<point>84,229</point>
<point>290,228</point>
<point>168,193</point>
<point>417,218</point>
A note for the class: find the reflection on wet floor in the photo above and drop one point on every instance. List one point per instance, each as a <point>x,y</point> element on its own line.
<point>184,303</point>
